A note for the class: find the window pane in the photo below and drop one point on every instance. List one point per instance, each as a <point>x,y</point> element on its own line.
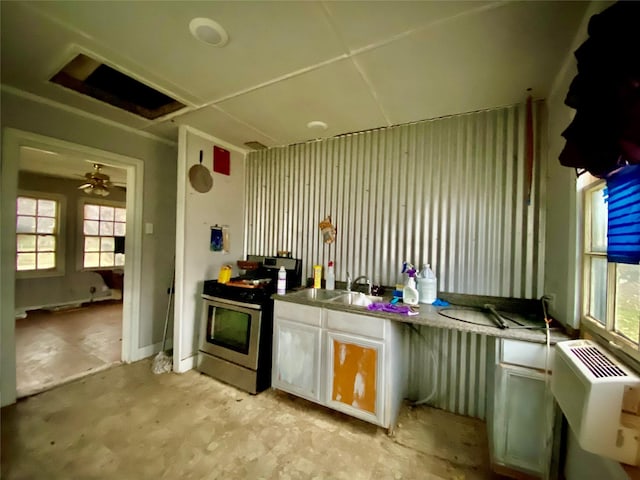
<point>106,213</point>
<point>106,228</point>
<point>627,310</point>
<point>91,260</point>
<point>46,260</point>
<point>119,260</point>
<point>107,244</point>
<point>598,221</point>
<point>119,229</point>
<point>120,215</point>
<point>598,291</point>
<point>46,225</point>
<point>91,244</point>
<point>91,212</point>
<point>106,259</point>
<point>26,206</point>
<point>91,227</point>
<point>26,261</point>
<point>46,208</point>
<point>26,243</point>
<point>25,224</point>
<point>46,243</point>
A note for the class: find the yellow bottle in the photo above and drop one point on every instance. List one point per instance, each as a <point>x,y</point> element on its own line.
<point>317,276</point>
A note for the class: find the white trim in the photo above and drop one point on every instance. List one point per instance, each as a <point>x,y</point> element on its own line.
<point>181,232</point>
<point>84,114</point>
<point>13,140</point>
<point>211,138</point>
<point>184,365</point>
<point>24,312</point>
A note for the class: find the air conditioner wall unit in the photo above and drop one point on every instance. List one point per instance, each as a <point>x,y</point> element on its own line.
<point>600,398</point>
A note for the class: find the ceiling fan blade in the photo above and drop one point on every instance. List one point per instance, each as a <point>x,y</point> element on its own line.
<point>85,185</point>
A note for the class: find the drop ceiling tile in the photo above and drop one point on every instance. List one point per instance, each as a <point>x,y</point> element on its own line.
<point>365,23</point>
<point>218,124</point>
<point>474,62</point>
<point>335,94</point>
<point>266,40</point>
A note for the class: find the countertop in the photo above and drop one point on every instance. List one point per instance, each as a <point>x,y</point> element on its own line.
<point>428,315</point>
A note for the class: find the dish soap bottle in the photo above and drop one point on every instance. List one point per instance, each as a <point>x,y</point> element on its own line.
<point>330,277</point>
<point>409,292</point>
<point>282,281</point>
<point>427,285</point>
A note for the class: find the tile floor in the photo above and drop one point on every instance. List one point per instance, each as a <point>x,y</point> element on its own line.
<point>55,347</point>
<point>126,423</point>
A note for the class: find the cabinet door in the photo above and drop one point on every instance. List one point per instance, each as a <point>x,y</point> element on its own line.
<point>523,420</point>
<point>296,359</point>
<point>355,376</point>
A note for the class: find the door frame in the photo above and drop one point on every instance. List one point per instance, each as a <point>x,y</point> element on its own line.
<point>13,140</point>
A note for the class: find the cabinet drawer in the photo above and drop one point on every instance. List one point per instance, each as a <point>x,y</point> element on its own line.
<point>298,313</point>
<point>352,323</point>
<point>526,354</point>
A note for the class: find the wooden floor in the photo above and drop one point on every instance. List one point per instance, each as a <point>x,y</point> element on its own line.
<point>56,347</point>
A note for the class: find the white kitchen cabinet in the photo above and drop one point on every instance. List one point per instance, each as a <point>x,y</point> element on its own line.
<point>297,352</point>
<point>522,411</point>
<point>349,362</point>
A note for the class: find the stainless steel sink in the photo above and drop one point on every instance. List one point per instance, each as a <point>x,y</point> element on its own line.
<point>317,294</point>
<point>357,299</point>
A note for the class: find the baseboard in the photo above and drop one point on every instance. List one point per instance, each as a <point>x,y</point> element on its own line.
<point>21,312</point>
<point>185,365</point>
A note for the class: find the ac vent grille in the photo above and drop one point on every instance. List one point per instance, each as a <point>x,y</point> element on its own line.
<point>597,363</point>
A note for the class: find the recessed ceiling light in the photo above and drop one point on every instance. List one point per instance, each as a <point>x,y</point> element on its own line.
<point>208,31</point>
<point>317,124</point>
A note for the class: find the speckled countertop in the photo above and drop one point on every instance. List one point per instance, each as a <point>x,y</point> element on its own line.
<point>428,316</point>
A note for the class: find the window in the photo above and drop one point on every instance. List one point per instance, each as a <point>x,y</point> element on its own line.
<point>104,229</point>
<point>37,227</point>
<point>611,290</point>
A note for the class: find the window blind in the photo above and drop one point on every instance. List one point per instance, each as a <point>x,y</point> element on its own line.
<point>623,230</point>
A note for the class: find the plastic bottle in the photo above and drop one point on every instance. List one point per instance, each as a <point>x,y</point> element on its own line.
<point>330,277</point>
<point>282,281</point>
<point>409,292</point>
<point>427,285</point>
<point>317,276</point>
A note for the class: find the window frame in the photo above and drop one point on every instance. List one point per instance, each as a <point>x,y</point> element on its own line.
<point>80,234</point>
<point>60,234</point>
<point>587,323</point>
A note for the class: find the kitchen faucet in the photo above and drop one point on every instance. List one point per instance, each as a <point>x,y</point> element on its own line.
<point>350,284</point>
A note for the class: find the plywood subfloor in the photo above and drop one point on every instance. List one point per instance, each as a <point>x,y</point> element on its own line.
<point>56,347</point>
<point>126,422</point>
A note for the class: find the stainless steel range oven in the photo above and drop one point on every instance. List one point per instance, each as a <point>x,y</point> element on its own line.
<point>236,328</point>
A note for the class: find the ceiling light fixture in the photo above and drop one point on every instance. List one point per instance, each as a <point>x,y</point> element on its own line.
<point>208,31</point>
<point>317,124</point>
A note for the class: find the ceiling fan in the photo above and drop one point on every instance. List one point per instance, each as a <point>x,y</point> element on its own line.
<point>97,183</point>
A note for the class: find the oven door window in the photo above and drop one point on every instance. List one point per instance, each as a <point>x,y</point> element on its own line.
<point>229,329</point>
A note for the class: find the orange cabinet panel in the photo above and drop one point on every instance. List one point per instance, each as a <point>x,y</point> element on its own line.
<point>354,375</point>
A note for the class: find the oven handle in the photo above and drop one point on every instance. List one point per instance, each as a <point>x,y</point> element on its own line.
<point>252,306</point>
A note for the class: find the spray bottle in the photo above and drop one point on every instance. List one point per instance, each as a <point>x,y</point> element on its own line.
<point>409,292</point>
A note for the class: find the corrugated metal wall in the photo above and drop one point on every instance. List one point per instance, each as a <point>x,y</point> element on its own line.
<point>451,192</point>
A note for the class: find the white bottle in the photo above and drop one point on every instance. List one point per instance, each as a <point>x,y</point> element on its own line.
<point>428,285</point>
<point>409,292</point>
<point>282,281</point>
<point>330,277</point>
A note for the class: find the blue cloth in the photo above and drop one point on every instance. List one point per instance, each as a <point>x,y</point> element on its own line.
<point>440,303</point>
<point>623,225</point>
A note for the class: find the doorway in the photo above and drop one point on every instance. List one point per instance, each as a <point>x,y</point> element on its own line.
<point>13,142</point>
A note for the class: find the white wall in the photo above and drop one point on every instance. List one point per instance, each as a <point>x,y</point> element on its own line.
<point>197,212</point>
<point>158,202</point>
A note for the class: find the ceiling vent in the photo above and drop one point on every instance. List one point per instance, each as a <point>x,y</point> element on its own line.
<point>255,145</point>
<point>95,79</point>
